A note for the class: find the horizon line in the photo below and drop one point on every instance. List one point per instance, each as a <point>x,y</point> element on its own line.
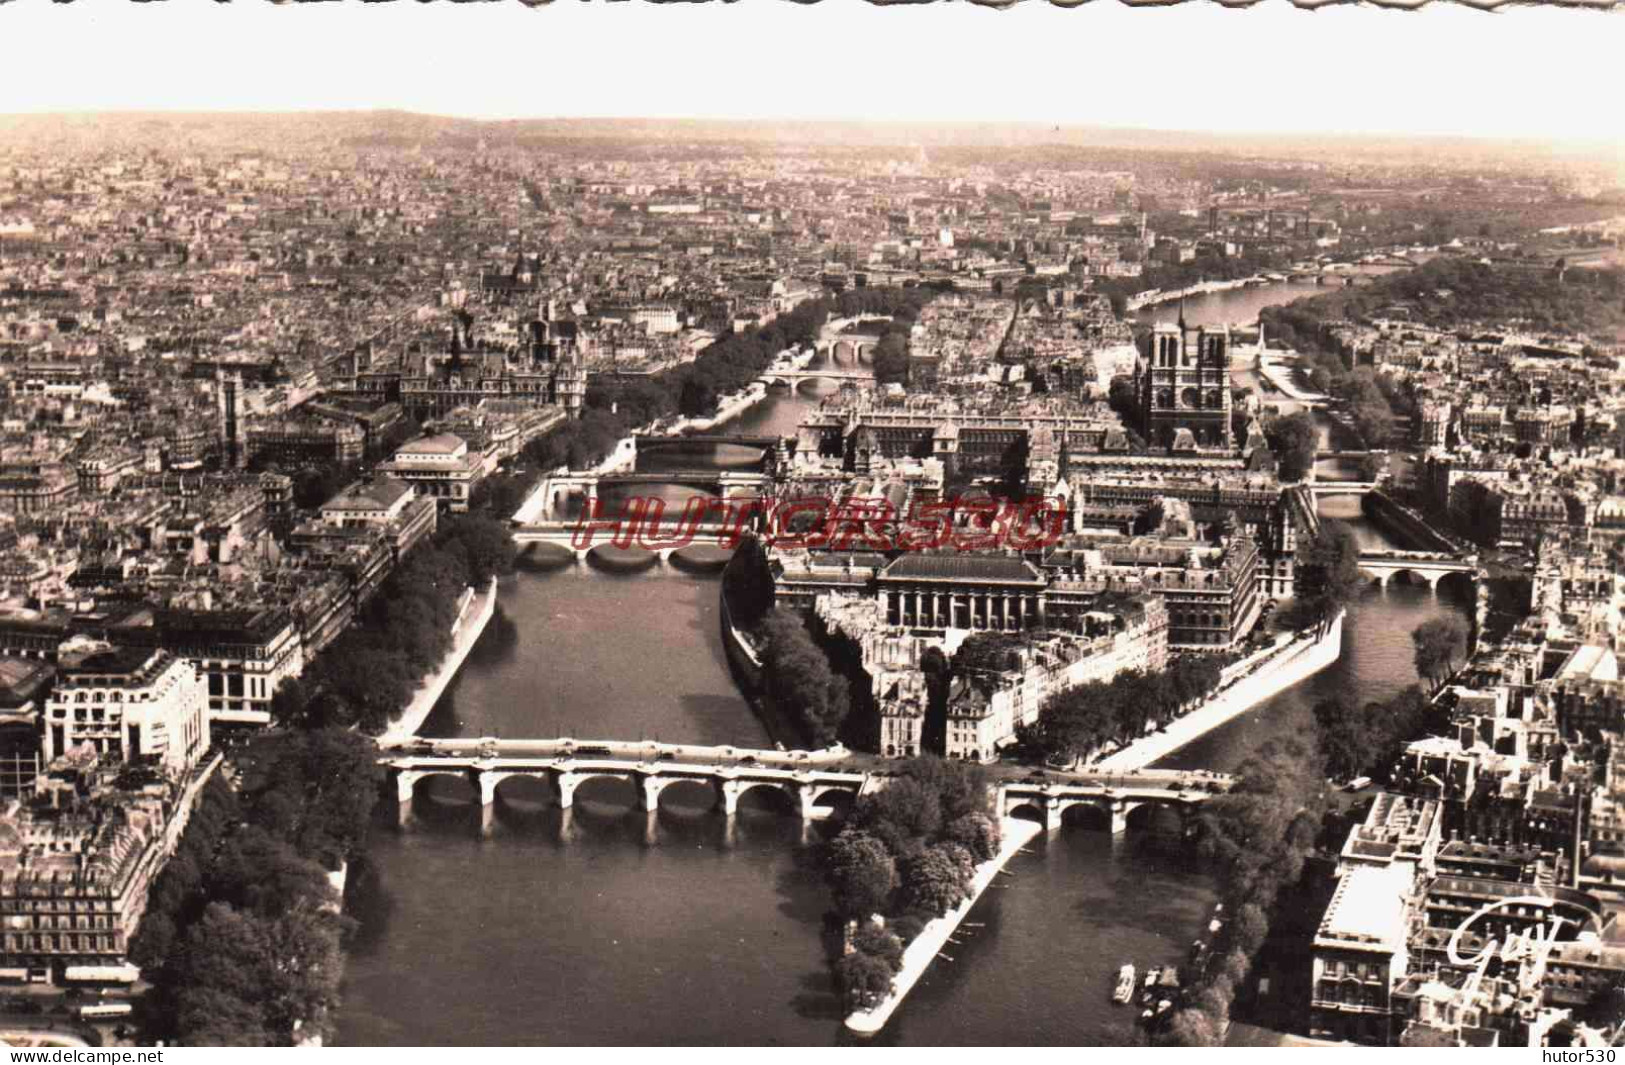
<point>1323,136</point>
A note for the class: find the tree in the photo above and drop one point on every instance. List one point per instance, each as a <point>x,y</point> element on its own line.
<point>864,979</point>
<point>891,358</point>
<point>1345,740</point>
<point>862,873</point>
<point>902,815</point>
<point>933,881</point>
<point>1441,646</point>
<point>1295,440</point>
<point>879,942</point>
<point>213,1018</point>
<point>1251,927</point>
<point>316,790</point>
<point>799,678</point>
<point>961,787</point>
<point>985,652</point>
<point>1191,1028</point>
<point>1329,572</point>
<point>748,583</point>
<point>977,833</point>
<point>487,544</point>
<point>260,873</point>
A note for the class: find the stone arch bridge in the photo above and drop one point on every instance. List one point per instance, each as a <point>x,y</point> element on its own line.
<point>803,777</point>
<point>848,348</point>
<point>792,378</point>
<point>815,782</point>
<point>1116,795</point>
<point>1430,566</point>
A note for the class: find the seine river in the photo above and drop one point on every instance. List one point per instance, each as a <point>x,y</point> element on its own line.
<point>609,928</point>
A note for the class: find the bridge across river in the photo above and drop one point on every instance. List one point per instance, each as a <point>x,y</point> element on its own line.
<point>795,378</point>
<point>1430,566</point>
<point>810,779</point>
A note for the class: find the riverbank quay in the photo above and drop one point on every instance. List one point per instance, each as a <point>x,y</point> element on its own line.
<point>918,955</point>
<point>1280,371</point>
<point>474,614</point>
<point>1275,671</point>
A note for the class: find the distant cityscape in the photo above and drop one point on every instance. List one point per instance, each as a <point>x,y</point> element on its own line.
<point>296,407</point>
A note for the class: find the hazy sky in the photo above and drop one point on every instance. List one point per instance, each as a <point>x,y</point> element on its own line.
<point>1545,73</point>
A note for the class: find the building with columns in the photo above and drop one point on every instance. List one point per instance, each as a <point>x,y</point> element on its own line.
<point>963,591</point>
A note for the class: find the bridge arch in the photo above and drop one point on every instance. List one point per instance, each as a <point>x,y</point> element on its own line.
<point>445,787</point>
<point>1156,817</point>
<point>769,796</point>
<point>1026,808</point>
<point>832,800</point>
<point>1459,579</point>
<point>1087,814</point>
<point>524,792</point>
<point>606,789</point>
<point>687,796</point>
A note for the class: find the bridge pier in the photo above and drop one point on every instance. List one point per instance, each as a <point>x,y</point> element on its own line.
<point>807,794</point>
<point>566,782</point>
<point>728,798</point>
<point>1119,812</point>
<point>488,802</point>
<point>651,828</point>
<point>649,789</point>
<point>405,785</point>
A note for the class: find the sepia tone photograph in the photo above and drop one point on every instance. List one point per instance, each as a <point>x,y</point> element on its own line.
<point>811,524</point>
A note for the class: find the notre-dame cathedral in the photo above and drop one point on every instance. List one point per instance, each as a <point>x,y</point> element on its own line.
<point>1183,383</point>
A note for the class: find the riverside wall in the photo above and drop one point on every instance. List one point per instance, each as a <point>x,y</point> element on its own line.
<point>475,614</point>
<point>918,955</point>
<point>1403,521</point>
<point>1287,665</point>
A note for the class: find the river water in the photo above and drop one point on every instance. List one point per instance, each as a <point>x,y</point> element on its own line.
<point>608,927</point>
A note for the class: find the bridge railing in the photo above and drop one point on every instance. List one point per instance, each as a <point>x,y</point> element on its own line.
<point>641,750</point>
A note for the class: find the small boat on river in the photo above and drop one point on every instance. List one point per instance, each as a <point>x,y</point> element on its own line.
<point>1125,985</point>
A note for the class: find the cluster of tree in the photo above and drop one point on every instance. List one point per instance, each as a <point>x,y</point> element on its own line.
<point>1452,292</point>
<point>1367,404</point>
<point>1359,741</point>
<point>908,853</point>
<point>747,584</point>
<point>242,938</point>
<point>1295,439</point>
<point>369,673</point>
<point>1078,721</point>
<point>1258,836</point>
<point>1441,647</point>
<point>1328,575</point>
<point>799,678</point>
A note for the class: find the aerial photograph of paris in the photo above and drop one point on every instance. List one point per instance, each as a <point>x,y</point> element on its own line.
<point>811,524</point>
